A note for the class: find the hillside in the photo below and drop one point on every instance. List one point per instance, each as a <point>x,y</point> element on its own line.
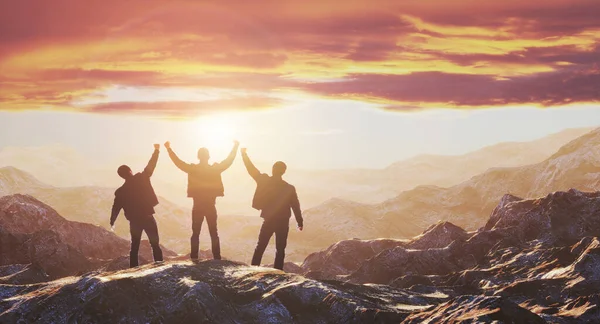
<point>377,185</point>
<point>534,261</point>
<point>65,167</point>
<point>540,254</point>
<point>31,232</point>
<point>469,204</point>
<point>93,205</point>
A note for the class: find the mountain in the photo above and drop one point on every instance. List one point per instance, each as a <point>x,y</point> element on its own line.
<point>445,171</point>
<point>575,165</point>
<point>66,167</point>
<point>468,204</point>
<point>33,233</point>
<point>57,164</point>
<point>539,255</point>
<point>408,214</point>
<point>207,292</point>
<point>377,185</point>
<point>534,261</point>
<point>92,205</point>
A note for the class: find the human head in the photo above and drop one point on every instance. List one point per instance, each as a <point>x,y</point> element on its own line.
<point>203,155</point>
<point>124,172</point>
<point>279,168</point>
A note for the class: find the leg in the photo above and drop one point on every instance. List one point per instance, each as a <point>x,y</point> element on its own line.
<point>135,229</point>
<point>197,219</point>
<point>266,231</point>
<point>281,235</point>
<point>211,220</point>
<point>151,230</point>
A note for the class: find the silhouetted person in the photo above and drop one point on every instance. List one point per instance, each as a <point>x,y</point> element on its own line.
<point>275,198</point>
<point>137,198</point>
<point>204,186</point>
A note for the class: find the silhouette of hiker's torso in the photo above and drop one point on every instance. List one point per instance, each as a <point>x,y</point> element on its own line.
<point>274,198</point>
<point>137,196</point>
<point>204,181</point>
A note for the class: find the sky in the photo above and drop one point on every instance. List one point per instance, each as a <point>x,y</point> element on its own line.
<point>319,84</point>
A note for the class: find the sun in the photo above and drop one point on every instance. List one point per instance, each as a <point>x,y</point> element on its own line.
<point>217,131</point>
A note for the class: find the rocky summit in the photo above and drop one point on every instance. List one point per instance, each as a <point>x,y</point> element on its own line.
<point>205,292</point>
<point>534,261</point>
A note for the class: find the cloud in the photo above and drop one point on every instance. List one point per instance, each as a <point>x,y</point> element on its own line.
<point>405,55</point>
<point>183,108</point>
<point>555,56</point>
<point>462,90</point>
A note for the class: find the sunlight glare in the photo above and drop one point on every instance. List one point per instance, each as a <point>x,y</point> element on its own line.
<point>217,131</point>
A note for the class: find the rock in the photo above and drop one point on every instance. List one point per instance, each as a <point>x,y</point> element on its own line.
<point>564,216</point>
<point>438,236</point>
<point>345,257</point>
<point>32,232</point>
<point>23,214</point>
<point>22,274</point>
<point>476,309</point>
<point>55,257</point>
<point>393,263</point>
<point>209,291</point>
<point>289,267</point>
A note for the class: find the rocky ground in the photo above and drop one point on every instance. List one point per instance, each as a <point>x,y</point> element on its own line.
<point>533,257</point>
<point>206,292</point>
<point>535,261</point>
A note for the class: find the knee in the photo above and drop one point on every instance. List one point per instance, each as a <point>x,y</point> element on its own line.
<point>154,243</point>
<point>135,246</point>
<point>195,232</point>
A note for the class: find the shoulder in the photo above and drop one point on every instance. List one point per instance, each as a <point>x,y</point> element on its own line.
<point>140,175</point>
<point>290,187</point>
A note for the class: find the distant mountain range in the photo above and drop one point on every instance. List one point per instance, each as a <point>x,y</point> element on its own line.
<point>92,204</point>
<point>467,204</point>
<point>65,167</point>
<point>377,185</point>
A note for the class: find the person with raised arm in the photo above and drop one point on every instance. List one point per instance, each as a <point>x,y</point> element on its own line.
<point>275,198</point>
<point>204,186</point>
<point>137,198</point>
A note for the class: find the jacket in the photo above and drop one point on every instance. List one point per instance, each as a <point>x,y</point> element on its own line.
<point>274,197</point>
<point>136,196</point>
<point>204,181</point>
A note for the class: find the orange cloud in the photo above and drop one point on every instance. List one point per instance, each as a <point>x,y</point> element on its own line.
<point>411,53</point>
<point>184,108</point>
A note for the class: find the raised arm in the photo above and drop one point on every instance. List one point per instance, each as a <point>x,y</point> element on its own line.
<point>296,208</point>
<point>252,170</point>
<point>149,170</point>
<point>185,167</point>
<point>116,209</point>
<point>225,164</point>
